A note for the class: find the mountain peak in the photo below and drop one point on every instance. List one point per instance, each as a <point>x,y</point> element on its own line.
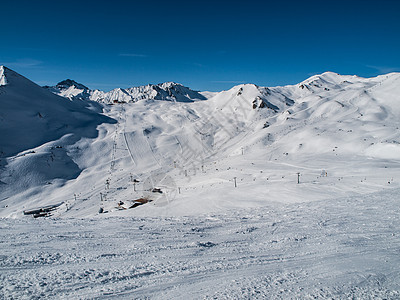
<point>65,84</point>
<point>3,80</point>
<point>326,81</point>
<point>169,84</point>
<point>175,92</point>
<point>10,77</point>
<point>326,76</point>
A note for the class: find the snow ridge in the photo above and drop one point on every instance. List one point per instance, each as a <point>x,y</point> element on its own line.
<point>169,91</point>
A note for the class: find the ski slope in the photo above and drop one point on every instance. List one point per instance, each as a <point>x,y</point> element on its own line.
<point>340,133</point>
<point>345,248</point>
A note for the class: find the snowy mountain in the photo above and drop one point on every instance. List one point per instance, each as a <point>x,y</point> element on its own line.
<point>31,116</point>
<point>170,91</point>
<point>70,89</point>
<point>255,138</point>
<point>33,125</point>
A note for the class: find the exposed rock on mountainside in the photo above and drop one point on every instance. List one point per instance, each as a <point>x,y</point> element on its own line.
<point>170,91</point>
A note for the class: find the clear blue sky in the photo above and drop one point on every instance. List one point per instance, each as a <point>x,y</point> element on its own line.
<point>206,45</point>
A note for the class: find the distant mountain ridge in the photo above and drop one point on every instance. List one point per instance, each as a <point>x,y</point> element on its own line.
<point>274,99</point>
<point>169,91</point>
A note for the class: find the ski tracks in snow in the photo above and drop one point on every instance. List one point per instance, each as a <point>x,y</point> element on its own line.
<point>343,248</point>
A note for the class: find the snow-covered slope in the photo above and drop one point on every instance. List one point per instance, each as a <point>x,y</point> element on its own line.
<point>339,249</point>
<point>335,135</point>
<point>31,116</point>
<point>34,123</point>
<point>165,91</point>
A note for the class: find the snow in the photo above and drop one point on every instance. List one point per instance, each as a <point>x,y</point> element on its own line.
<point>340,249</point>
<point>3,80</point>
<point>55,148</point>
<point>263,136</point>
<point>384,151</point>
<point>31,116</point>
<point>34,123</point>
<point>164,91</point>
<point>232,220</point>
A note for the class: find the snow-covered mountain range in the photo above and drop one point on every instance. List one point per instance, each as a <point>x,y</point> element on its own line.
<point>165,91</point>
<point>328,136</point>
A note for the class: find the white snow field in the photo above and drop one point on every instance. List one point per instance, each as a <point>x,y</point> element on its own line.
<point>280,192</point>
<point>344,248</point>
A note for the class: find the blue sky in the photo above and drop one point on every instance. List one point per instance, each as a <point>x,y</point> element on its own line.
<point>206,45</point>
